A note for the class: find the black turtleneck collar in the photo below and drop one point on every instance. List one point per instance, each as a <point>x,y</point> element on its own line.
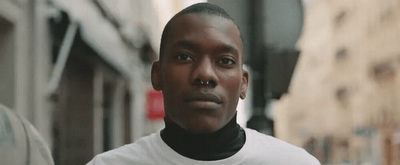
<point>212,146</point>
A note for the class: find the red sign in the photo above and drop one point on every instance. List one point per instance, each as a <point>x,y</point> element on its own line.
<point>155,105</point>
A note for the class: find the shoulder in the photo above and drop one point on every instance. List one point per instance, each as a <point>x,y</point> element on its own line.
<point>139,151</point>
<point>268,140</point>
<point>277,151</point>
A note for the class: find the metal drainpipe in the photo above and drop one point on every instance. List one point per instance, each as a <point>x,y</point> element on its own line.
<point>62,58</point>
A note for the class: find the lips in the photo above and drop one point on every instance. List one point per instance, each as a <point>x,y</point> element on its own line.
<point>203,97</point>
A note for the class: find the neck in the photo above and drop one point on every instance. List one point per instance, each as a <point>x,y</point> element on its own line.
<point>211,146</point>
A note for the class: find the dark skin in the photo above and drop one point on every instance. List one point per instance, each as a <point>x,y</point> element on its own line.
<point>201,48</point>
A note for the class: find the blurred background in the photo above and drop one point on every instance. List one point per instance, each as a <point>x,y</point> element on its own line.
<point>324,73</point>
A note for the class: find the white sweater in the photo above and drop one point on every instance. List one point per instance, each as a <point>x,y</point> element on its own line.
<point>258,149</point>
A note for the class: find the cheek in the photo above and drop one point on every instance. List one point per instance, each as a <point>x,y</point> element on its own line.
<point>173,76</point>
<point>233,78</point>
<point>174,81</point>
<point>231,84</point>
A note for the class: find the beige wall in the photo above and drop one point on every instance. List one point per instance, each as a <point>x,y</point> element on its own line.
<point>347,81</point>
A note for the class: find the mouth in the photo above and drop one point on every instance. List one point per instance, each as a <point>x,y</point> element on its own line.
<point>203,97</point>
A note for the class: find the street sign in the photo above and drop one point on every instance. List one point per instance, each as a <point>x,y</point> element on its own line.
<point>155,105</point>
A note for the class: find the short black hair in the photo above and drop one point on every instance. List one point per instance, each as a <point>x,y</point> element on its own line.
<point>198,8</point>
<point>205,8</point>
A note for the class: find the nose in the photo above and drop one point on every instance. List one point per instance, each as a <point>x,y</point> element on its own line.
<point>204,73</point>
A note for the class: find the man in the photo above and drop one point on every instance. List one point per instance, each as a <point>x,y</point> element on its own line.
<point>20,142</point>
<point>201,76</point>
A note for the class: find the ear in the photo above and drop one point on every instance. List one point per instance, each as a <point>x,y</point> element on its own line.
<point>156,80</point>
<point>245,84</point>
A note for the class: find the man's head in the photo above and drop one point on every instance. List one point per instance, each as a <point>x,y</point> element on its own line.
<point>199,8</point>
<point>200,69</point>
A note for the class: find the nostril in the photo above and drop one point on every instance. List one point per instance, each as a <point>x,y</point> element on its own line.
<point>198,82</point>
<point>212,82</point>
<point>205,83</point>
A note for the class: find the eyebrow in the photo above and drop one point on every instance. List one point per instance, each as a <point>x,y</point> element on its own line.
<point>220,48</point>
<point>186,44</point>
<point>228,48</point>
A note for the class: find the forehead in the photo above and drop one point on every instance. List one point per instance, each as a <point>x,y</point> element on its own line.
<point>198,27</point>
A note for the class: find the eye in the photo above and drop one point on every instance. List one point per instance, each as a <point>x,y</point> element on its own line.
<point>227,61</point>
<point>184,57</point>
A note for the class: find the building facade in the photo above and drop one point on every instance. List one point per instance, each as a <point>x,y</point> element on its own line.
<point>78,71</point>
<point>342,104</point>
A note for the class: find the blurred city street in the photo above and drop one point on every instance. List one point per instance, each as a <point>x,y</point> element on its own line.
<point>324,76</point>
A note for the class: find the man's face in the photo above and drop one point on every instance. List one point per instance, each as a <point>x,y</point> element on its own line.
<point>201,48</point>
